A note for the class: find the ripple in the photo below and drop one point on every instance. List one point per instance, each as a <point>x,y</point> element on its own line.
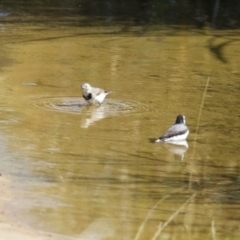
<point>74,105</point>
<point>60,104</point>
<point>116,106</point>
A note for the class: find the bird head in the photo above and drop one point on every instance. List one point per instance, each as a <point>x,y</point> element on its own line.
<point>86,87</point>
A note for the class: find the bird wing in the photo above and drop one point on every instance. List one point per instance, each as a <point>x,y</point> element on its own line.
<point>174,131</point>
<point>98,91</point>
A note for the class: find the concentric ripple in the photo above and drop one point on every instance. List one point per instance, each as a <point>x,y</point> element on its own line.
<point>74,105</point>
<point>60,104</point>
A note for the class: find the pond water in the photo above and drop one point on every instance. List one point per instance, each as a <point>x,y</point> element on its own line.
<point>92,172</point>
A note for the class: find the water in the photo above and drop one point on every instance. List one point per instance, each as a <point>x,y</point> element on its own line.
<point>92,172</point>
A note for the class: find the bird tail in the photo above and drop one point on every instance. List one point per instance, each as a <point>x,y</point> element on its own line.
<point>107,92</point>
<point>159,140</point>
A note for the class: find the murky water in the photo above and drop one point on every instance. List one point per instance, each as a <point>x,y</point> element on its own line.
<point>91,172</point>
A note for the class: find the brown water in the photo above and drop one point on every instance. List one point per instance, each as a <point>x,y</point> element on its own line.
<point>91,172</point>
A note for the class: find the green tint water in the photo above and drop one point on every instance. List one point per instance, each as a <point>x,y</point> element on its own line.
<point>91,172</point>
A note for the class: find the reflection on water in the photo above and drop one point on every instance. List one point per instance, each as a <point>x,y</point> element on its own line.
<point>199,14</point>
<point>178,148</point>
<point>95,114</point>
<point>90,114</point>
<point>101,228</point>
<point>90,172</point>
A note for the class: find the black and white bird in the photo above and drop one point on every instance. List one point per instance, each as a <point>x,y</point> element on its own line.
<point>177,132</point>
<point>93,95</point>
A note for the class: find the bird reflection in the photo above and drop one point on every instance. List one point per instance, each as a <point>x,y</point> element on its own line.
<point>95,114</point>
<point>100,229</point>
<point>178,148</point>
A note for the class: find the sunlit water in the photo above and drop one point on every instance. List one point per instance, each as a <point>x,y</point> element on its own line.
<point>92,172</point>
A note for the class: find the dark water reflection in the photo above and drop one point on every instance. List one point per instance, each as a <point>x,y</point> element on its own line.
<point>218,14</point>
<point>91,173</point>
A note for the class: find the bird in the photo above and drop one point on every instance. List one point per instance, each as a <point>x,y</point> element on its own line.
<point>93,95</point>
<point>177,132</point>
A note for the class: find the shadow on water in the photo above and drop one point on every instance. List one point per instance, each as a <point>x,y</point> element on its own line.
<point>217,49</point>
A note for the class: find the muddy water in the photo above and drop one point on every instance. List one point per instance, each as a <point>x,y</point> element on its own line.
<point>91,172</point>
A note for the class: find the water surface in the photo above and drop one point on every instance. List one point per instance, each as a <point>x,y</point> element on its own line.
<point>91,172</point>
